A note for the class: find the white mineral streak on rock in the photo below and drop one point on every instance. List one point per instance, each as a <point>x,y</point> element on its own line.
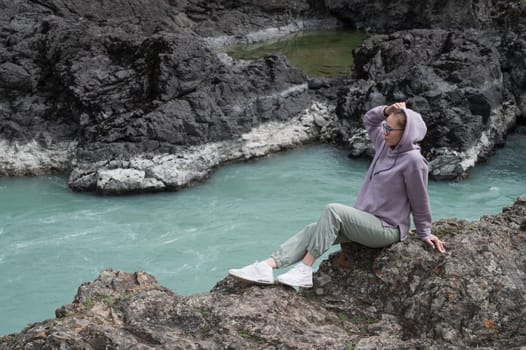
<point>126,180</point>
<point>32,158</point>
<point>360,144</point>
<point>449,163</point>
<point>194,163</point>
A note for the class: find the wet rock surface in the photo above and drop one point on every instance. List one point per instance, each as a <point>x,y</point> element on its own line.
<point>401,297</point>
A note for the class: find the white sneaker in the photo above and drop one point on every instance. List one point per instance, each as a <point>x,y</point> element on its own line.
<point>259,272</point>
<point>299,276</point>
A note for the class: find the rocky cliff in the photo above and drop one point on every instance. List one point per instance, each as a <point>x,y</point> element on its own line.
<point>119,83</point>
<point>400,297</point>
<point>134,95</point>
<point>452,62</point>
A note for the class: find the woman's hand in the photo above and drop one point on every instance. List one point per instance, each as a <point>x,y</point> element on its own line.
<point>434,242</point>
<point>390,109</point>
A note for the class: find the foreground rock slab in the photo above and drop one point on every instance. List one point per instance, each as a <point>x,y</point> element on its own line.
<point>471,297</point>
<point>400,297</point>
<point>132,311</point>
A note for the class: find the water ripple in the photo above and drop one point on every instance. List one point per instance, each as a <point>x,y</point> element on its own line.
<point>170,241</point>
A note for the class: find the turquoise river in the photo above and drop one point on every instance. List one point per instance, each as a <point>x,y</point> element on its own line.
<point>53,239</point>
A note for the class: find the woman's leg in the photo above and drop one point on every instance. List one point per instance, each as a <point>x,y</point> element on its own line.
<point>291,251</point>
<point>339,223</point>
<point>364,228</point>
<point>295,248</point>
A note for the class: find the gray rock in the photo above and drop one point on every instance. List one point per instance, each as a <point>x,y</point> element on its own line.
<point>118,181</point>
<point>380,16</point>
<point>35,159</point>
<point>472,296</point>
<point>131,77</point>
<point>184,166</point>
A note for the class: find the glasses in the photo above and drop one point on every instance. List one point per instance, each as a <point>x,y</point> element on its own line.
<point>388,129</point>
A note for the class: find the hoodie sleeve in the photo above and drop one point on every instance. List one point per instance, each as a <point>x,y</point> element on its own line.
<point>372,121</point>
<point>415,178</point>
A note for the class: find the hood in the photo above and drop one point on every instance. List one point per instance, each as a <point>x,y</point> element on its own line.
<point>415,130</point>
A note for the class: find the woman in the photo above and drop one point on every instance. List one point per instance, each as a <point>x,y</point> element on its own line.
<point>395,187</point>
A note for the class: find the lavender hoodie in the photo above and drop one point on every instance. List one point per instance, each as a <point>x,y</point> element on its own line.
<point>396,183</point>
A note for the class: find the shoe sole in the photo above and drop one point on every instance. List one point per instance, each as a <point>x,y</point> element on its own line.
<point>293,286</point>
<point>252,281</point>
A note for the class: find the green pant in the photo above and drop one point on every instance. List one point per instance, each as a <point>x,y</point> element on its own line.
<point>338,224</point>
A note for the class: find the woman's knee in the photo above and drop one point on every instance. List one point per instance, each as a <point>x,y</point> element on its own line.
<point>337,208</point>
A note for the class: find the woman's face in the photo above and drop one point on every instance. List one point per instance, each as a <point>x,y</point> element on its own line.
<point>393,130</point>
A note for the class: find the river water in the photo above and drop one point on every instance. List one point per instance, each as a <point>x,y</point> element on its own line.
<point>53,239</point>
<point>326,53</point>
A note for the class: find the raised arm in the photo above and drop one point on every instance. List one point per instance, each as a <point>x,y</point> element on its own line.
<point>372,121</point>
